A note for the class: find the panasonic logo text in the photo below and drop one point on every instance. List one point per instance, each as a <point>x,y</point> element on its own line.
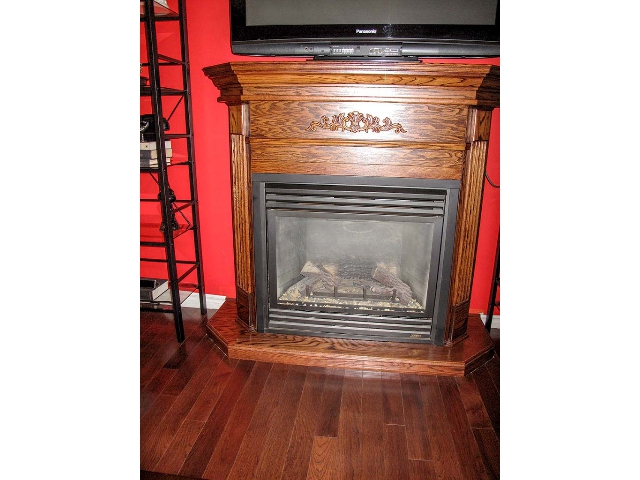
<point>371,30</point>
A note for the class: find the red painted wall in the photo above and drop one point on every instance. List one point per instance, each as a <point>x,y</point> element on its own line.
<point>209,44</point>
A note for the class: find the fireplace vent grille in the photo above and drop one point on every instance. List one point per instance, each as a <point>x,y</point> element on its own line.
<point>349,326</point>
<point>357,200</point>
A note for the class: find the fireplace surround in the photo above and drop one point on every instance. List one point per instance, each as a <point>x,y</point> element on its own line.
<point>384,124</point>
<point>353,257</point>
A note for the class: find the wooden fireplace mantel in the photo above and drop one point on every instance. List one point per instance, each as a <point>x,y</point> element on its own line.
<point>384,119</point>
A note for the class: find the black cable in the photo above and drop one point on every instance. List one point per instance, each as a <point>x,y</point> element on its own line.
<point>490,182</point>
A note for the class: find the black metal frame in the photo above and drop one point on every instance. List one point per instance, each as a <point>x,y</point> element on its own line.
<point>166,197</point>
<point>428,326</point>
<point>495,283</point>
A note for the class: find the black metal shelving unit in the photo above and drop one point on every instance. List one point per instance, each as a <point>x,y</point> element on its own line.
<point>495,285</point>
<point>178,215</point>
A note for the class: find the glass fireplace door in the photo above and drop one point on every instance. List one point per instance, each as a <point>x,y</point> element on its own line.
<point>352,262</point>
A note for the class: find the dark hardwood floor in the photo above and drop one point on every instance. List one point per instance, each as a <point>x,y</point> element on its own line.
<point>205,416</point>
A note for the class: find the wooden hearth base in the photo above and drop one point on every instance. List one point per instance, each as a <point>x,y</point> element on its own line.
<point>424,359</point>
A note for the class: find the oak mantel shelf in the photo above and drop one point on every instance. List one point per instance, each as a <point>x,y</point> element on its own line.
<point>423,359</point>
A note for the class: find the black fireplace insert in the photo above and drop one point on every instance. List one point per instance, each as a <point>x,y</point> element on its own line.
<point>353,257</point>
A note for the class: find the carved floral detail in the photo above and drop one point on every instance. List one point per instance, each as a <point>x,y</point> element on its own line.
<point>355,122</point>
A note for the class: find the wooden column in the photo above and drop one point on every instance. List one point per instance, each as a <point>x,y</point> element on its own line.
<point>468,223</point>
<point>242,213</point>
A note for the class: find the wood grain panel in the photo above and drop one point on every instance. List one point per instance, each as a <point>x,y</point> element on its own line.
<point>468,223</point>
<point>242,213</point>
<point>358,160</point>
<point>245,302</point>
<point>239,119</point>
<point>431,123</point>
<point>379,93</point>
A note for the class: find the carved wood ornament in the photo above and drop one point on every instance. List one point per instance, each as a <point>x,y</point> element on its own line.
<point>355,122</point>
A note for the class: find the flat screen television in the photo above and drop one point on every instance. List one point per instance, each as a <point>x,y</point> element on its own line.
<point>366,29</point>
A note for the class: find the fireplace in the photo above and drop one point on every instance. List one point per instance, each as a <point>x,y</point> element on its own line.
<point>356,203</point>
<point>353,257</point>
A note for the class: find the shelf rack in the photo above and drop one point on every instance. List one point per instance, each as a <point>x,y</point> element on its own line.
<point>160,235</point>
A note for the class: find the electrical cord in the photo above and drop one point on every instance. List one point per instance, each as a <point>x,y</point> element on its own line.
<point>490,182</point>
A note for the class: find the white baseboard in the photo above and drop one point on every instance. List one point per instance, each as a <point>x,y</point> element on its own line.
<point>495,321</point>
<point>214,302</point>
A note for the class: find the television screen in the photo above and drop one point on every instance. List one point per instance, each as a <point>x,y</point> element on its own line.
<point>366,28</point>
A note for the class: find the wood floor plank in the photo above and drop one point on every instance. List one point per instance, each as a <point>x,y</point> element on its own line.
<point>396,463</point>
<point>493,367</point>
<point>296,463</point>
<point>249,453</point>
<point>146,475</point>
<point>392,399</point>
<point>418,443</point>
<point>274,451</point>
<point>372,451</point>
<point>190,365</point>
<point>329,407</point>
<point>254,423</point>
<point>160,381</point>
<point>153,357</point>
<point>423,470</point>
<point>445,462</point>
<point>227,448</point>
<point>473,404</point>
<point>350,426</point>
<point>489,446</point>
<point>206,442</point>
<point>152,418</point>
<point>323,459</point>
<point>470,459</point>
<point>180,446</point>
<point>148,329</point>
<point>490,395</point>
<point>168,350</point>
<point>160,439</point>
<point>210,395</point>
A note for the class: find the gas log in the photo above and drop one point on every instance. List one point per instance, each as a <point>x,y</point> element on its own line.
<point>315,275</point>
<point>403,291</point>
